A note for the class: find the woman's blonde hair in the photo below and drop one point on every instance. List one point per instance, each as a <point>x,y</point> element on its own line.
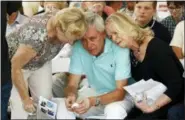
<point>124,24</point>
<point>71,21</point>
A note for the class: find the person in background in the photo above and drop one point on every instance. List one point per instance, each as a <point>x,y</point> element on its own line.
<point>144,12</point>
<point>41,6</point>
<point>108,10</point>
<point>176,9</point>
<point>31,49</point>
<point>107,69</point>
<point>176,112</point>
<point>85,5</point>
<point>96,7</point>
<point>177,42</point>
<point>50,6</point>
<point>60,80</point>
<point>116,5</point>
<point>14,21</point>
<point>73,3</point>
<point>129,9</point>
<point>7,7</point>
<point>157,62</point>
<point>30,8</point>
<point>56,5</point>
<point>59,83</point>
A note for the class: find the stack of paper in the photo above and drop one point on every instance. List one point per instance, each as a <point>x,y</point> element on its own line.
<point>150,89</point>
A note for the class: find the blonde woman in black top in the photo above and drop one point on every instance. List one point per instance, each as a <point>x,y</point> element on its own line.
<point>151,58</point>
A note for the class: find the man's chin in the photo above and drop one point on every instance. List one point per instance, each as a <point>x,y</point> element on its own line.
<point>92,53</point>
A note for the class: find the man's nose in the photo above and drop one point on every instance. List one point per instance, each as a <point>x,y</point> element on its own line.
<point>89,45</point>
<point>142,10</point>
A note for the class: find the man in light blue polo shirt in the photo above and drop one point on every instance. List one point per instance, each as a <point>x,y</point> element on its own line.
<point>102,71</point>
<point>107,68</point>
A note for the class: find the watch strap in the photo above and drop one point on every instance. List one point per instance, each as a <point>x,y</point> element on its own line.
<point>97,101</point>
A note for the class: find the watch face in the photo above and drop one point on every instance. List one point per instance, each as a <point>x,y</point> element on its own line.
<point>97,102</point>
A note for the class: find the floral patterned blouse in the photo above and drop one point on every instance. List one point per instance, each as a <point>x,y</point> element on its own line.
<point>34,34</point>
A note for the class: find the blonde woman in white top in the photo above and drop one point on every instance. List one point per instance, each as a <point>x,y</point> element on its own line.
<point>32,47</point>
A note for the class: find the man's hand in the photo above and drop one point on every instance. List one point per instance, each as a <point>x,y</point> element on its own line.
<point>69,101</point>
<point>84,106</point>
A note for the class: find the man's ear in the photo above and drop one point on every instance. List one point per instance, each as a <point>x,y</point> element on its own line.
<point>103,34</point>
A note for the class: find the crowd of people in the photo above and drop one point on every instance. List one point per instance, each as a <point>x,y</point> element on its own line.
<point>113,44</point>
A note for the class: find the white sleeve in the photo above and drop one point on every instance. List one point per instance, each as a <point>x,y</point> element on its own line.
<point>178,37</point>
<point>75,62</point>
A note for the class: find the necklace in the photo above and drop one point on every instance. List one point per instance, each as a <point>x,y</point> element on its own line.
<point>134,60</point>
<point>137,56</point>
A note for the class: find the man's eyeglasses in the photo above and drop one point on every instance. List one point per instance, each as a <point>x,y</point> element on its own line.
<point>174,8</point>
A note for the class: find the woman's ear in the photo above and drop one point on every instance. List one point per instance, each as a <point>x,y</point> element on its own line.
<point>57,29</point>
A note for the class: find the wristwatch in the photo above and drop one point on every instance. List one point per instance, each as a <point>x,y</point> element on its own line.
<point>97,102</point>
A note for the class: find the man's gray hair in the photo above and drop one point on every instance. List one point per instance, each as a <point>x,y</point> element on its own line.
<point>96,20</point>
